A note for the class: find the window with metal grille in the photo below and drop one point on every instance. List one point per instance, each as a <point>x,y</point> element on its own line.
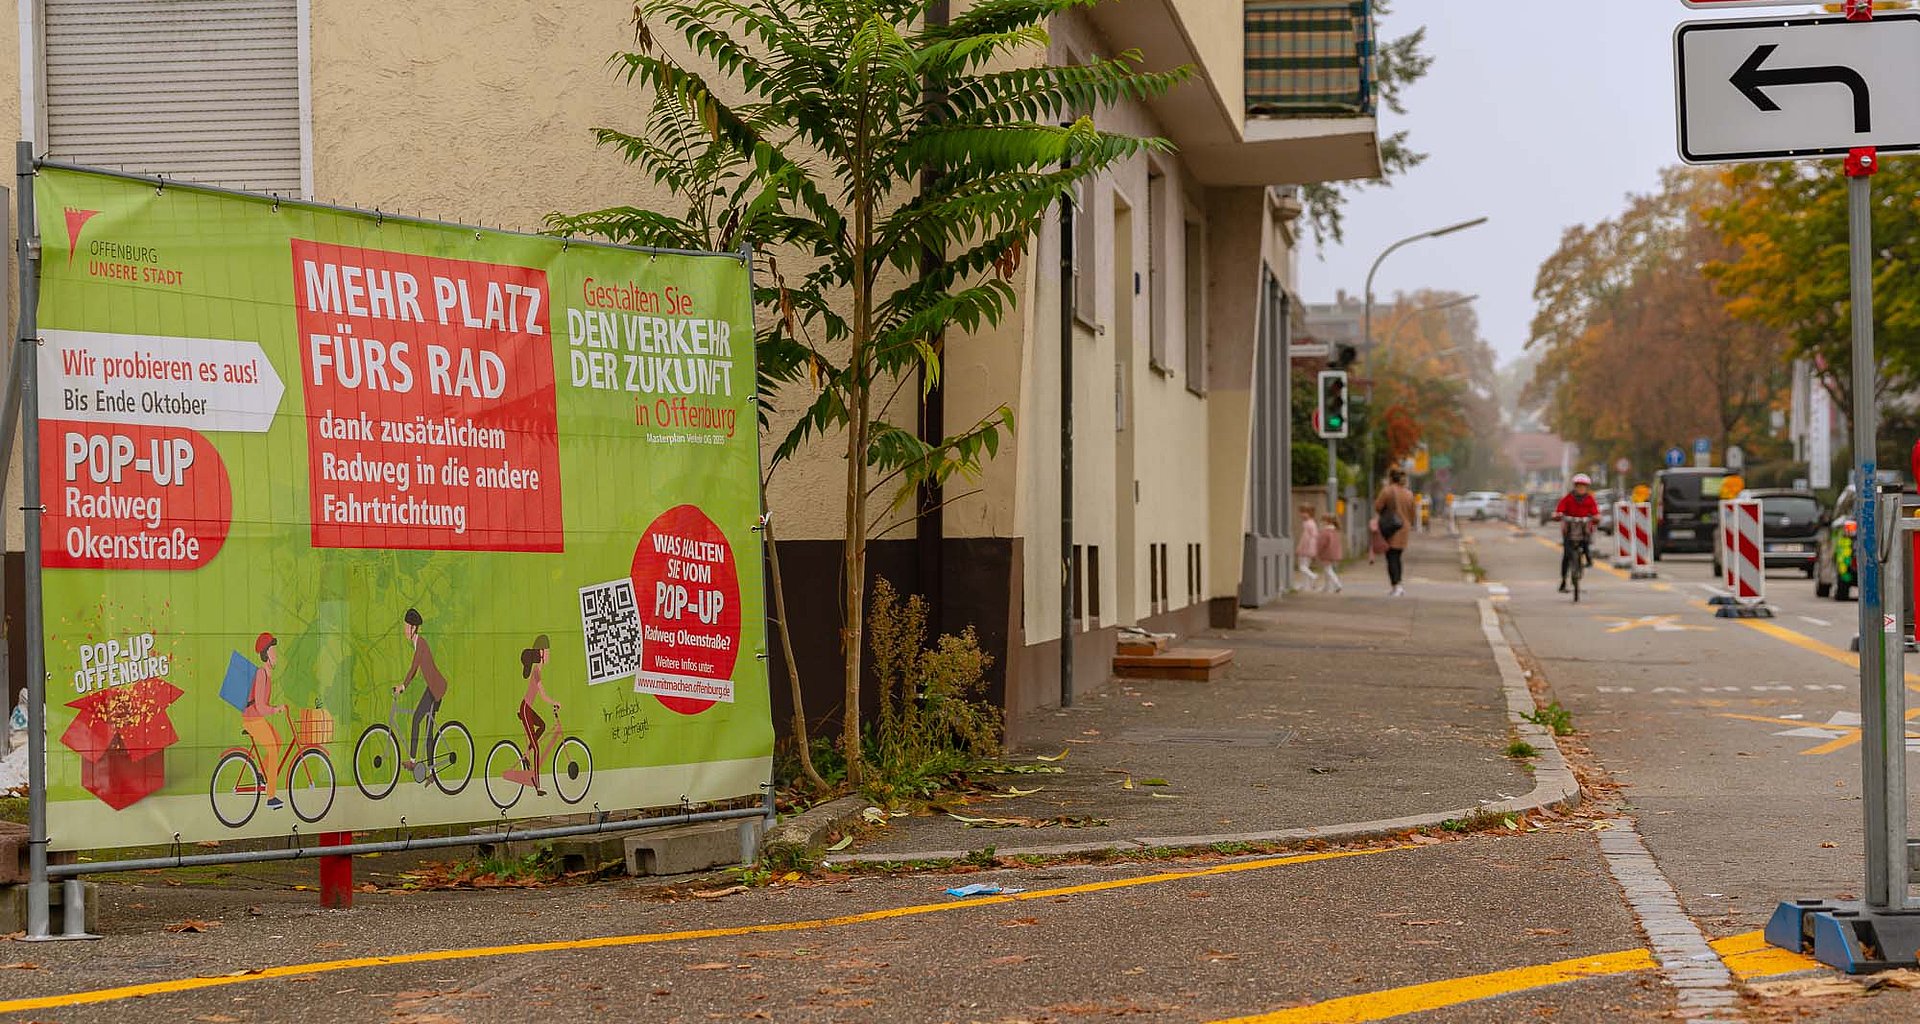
<point>202,90</point>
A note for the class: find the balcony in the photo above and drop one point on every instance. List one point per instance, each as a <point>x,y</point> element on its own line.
<point>1310,58</point>
<point>1285,93</point>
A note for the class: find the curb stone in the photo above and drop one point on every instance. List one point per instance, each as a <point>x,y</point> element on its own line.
<point>1554,786</point>
<point>808,830</point>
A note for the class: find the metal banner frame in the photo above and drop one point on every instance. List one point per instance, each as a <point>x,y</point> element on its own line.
<point>21,412</point>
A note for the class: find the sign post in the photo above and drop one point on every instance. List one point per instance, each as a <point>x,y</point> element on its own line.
<point>1799,88</point>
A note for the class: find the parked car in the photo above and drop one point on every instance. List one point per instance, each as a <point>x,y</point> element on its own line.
<point>1686,509</point>
<point>1480,505</point>
<point>1542,504</point>
<point>1791,522</point>
<point>1605,497</point>
<point>1833,570</point>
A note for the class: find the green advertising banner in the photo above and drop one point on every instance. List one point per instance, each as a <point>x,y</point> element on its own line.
<point>354,521</point>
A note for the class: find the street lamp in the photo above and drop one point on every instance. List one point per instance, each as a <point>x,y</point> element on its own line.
<point>1366,329</point>
<point>1400,324</point>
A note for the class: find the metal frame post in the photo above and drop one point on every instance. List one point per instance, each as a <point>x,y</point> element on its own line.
<point>1875,747</point>
<point>1882,930</point>
<point>26,362</point>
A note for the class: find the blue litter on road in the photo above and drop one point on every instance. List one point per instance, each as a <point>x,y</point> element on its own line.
<point>982,889</point>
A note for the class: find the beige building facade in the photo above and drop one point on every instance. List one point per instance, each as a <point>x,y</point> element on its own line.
<point>1182,295</point>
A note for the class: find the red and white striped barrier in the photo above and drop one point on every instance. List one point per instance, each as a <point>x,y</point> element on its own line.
<point>1643,541</point>
<point>1746,538</point>
<point>1724,540</point>
<point>1622,534</point>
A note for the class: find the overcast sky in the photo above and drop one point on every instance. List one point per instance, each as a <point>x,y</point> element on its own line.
<point>1539,114</point>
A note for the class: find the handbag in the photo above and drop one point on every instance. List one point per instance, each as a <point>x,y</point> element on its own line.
<point>1390,523</point>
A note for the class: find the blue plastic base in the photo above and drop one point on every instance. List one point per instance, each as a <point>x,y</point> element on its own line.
<point>1744,611</point>
<point>1847,936</point>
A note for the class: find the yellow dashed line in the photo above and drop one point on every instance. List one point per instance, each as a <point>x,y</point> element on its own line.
<point>108,995</point>
<point>1746,955</point>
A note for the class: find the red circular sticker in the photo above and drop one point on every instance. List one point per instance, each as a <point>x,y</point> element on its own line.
<point>688,589</point>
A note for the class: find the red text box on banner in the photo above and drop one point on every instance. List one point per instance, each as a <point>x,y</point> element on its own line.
<point>689,595</point>
<point>131,497</point>
<point>430,401</point>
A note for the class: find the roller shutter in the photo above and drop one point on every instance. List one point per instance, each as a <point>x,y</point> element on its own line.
<point>202,90</point>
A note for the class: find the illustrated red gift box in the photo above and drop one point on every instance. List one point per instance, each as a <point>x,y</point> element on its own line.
<point>119,734</point>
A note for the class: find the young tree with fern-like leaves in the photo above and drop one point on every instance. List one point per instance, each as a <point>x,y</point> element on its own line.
<point>905,160</point>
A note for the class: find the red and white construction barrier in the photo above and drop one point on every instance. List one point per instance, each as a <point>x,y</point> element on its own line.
<point>1642,521</point>
<point>1746,559</point>
<point>1724,540</point>
<point>1622,535</point>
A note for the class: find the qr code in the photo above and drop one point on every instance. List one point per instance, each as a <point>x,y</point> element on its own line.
<point>611,621</point>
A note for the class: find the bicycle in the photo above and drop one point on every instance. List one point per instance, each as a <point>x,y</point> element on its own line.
<point>237,782</point>
<point>376,755</point>
<point>570,770</point>
<point>1579,536</point>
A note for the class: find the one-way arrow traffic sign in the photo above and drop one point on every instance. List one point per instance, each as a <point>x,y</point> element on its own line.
<point>1797,87</point>
<point>1753,81</point>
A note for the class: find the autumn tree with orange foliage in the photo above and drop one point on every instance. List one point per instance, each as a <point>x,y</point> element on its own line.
<point>1640,349</point>
<point>1785,228</point>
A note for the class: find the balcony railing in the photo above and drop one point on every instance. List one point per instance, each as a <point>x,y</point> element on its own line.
<point>1310,58</point>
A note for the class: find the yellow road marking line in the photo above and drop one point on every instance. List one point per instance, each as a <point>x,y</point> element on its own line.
<point>1746,955</point>
<point>108,995</point>
<point>1850,734</point>
<point>1433,995</point>
<point>1807,643</point>
<point>1599,564</point>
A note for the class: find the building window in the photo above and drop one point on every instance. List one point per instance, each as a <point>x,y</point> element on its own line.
<point>204,92</point>
<point>1085,260</point>
<point>1079,596</point>
<point>1159,208</point>
<point>1093,583</point>
<point>1195,269</point>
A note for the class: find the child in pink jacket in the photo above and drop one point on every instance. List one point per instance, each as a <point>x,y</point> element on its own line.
<point>1306,545</point>
<point>1331,549</point>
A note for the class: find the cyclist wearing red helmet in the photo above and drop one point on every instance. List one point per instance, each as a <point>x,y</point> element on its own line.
<point>1575,504</point>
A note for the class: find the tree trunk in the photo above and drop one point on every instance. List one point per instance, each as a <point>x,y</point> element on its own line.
<point>854,554</point>
<point>800,737</point>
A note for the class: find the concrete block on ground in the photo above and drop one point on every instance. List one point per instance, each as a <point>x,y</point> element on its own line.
<point>1198,664</point>
<point>13,907</point>
<point>13,853</point>
<point>682,849</point>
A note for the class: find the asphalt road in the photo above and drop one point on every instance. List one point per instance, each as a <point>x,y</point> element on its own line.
<point>1720,735</point>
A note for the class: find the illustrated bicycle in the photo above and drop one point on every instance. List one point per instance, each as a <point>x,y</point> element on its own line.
<point>238,780</point>
<point>377,761</point>
<point>570,771</point>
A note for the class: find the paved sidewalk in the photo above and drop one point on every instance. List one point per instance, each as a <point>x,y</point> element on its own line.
<point>1337,709</point>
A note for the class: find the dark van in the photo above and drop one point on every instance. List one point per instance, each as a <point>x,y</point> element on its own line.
<point>1686,509</point>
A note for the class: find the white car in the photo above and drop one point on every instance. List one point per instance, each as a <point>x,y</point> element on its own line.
<point>1480,505</point>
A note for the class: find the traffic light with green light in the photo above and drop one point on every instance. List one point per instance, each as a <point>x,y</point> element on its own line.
<point>1333,403</point>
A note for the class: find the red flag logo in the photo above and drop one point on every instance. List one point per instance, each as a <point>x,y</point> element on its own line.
<point>76,219</point>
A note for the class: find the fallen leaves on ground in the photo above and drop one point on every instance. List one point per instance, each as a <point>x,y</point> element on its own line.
<point>1807,988</point>
<point>191,925</point>
<point>21,965</point>
<point>216,1018</point>
<point>718,966</point>
<point>841,845</point>
<point>714,894</point>
<point>1020,922</point>
<point>1061,756</point>
<point>1009,961</point>
<point>1546,931</point>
